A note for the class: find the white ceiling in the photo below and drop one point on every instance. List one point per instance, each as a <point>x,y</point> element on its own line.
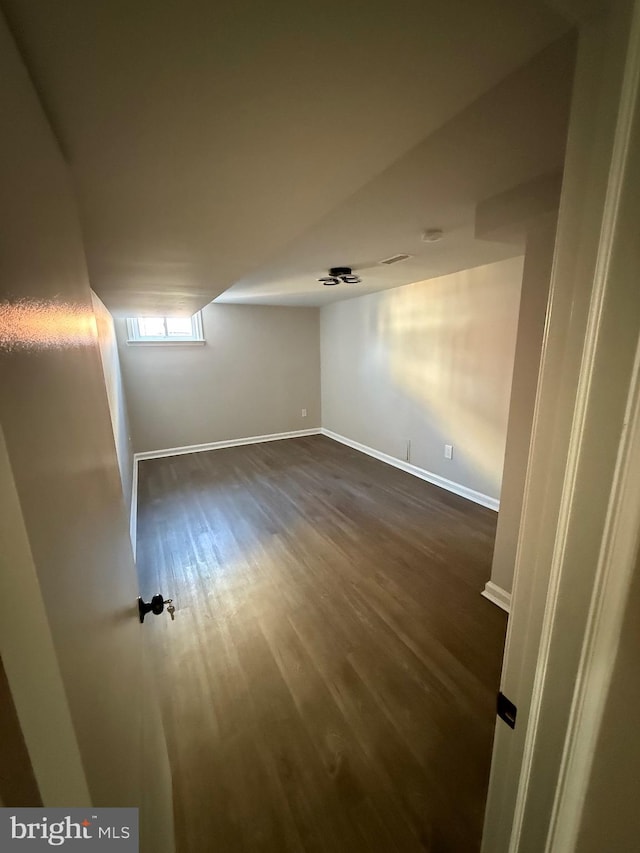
<point>514,133</point>
<point>205,137</point>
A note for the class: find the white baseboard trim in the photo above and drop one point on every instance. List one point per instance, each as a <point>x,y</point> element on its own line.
<point>422,473</point>
<point>434,479</point>
<point>217,445</point>
<point>133,514</point>
<point>497,595</point>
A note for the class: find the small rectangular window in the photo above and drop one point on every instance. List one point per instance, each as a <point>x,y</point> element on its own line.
<point>165,330</point>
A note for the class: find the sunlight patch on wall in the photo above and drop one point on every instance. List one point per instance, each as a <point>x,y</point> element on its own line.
<point>33,324</point>
<point>443,344</point>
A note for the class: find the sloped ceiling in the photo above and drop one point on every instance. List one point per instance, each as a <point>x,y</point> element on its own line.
<point>204,137</point>
<point>513,133</point>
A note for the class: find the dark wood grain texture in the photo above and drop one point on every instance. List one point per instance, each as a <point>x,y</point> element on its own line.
<point>329,681</point>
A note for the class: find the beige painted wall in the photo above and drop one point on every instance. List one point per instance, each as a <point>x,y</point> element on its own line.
<point>70,640</point>
<point>258,369</point>
<point>533,308</point>
<point>115,394</point>
<point>431,363</point>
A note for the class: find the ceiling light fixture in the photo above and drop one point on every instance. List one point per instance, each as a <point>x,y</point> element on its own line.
<point>338,275</point>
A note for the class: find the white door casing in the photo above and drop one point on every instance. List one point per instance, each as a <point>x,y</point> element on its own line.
<point>569,592</point>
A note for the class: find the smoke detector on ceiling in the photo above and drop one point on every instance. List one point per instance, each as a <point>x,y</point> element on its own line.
<point>432,235</point>
<point>338,275</point>
<point>395,259</point>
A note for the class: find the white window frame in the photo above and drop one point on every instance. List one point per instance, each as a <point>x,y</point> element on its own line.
<point>196,336</point>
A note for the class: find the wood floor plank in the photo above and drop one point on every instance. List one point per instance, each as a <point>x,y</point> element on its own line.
<point>329,681</point>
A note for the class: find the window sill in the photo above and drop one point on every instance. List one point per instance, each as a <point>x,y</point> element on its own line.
<point>166,343</point>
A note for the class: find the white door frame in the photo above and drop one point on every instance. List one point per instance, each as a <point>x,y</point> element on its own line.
<point>581,512</point>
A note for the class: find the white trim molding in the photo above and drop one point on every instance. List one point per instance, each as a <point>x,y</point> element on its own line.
<point>616,565</point>
<point>497,595</point>
<point>421,473</point>
<point>564,824</point>
<point>570,648</point>
<point>218,445</point>
<point>133,512</point>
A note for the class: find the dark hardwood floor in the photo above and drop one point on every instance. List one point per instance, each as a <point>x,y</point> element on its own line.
<point>329,681</point>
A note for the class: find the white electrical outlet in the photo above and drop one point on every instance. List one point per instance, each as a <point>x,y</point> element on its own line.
<point>448,451</point>
<point>304,413</point>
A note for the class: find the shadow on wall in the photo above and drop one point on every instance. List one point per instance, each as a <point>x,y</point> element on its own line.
<point>431,363</point>
<point>115,394</point>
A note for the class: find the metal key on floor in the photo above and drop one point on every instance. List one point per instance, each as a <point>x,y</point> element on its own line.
<point>171,610</point>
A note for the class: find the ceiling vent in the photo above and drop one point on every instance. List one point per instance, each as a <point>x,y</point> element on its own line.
<point>395,259</point>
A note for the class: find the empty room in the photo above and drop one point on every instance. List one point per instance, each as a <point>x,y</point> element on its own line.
<point>318,375</point>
